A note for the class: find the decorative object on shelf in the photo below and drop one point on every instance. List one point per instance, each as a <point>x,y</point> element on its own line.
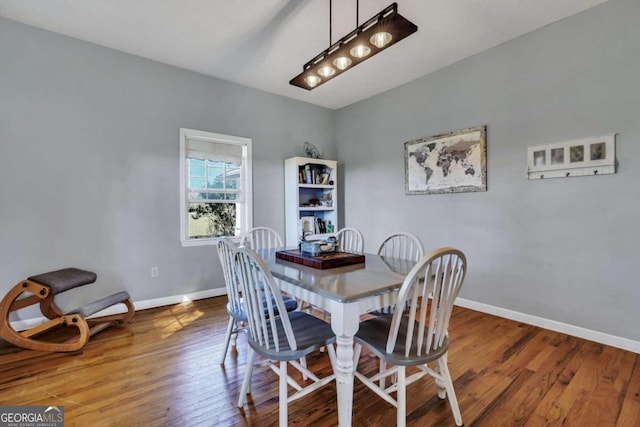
<point>454,162</point>
<point>312,151</point>
<point>325,200</point>
<point>595,155</point>
<point>329,229</point>
<point>383,30</point>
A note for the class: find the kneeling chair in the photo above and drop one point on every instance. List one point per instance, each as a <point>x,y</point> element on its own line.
<point>43,289</point>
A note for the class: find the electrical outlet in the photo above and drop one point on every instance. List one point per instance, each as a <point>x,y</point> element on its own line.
<point>154,272</point>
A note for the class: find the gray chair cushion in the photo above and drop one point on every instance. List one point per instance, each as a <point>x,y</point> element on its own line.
<point>310,332</point>
<point>374,333</point>
<point>65,279</point>
<point>241,315</point>
<point>99,305</point>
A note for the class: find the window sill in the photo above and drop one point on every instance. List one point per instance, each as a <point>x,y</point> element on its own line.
<point>206,241</point>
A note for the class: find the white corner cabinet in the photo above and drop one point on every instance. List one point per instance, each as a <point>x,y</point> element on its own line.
<point>310,198</point>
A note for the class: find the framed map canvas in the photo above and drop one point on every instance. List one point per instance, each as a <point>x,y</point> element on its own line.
<point>455,162</point>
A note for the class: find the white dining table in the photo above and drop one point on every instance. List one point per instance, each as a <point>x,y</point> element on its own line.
<point>345,292</point>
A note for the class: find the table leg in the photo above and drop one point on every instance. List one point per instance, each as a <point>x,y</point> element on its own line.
<point>344,322</point>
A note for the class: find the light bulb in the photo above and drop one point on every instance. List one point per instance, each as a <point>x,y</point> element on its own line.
<point>312,81</point>
<point>360,51</point>
<point>342,62</point>
<point>380,39</point>
<point>326,71</point>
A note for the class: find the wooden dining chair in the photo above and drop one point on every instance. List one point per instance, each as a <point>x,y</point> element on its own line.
<point>350,239</point>
<point>417,337</point>
<point>236,306</point>
<point>280,339</point>
<point>262,238</point>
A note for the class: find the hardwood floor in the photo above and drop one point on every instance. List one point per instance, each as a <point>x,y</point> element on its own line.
<point>163,370</point>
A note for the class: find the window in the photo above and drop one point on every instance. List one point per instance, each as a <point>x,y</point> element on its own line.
<point>215,186</point>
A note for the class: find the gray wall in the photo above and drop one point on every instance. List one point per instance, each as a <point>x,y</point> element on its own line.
<point>562,249</point>
<point>89,166</point>
<point>89,162</point>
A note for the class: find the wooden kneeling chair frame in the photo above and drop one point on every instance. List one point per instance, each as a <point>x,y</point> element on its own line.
<point>44,295</point>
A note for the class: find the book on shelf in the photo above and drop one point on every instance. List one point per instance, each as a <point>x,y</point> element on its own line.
<point>314,174</point>
<point>307,225</point>
<point>310,225</point>
<point>307,175</point>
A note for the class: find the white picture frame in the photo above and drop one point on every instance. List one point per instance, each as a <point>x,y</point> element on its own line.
<point>595,155</point>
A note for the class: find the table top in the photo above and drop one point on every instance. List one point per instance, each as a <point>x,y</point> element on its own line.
<point>343,284</point>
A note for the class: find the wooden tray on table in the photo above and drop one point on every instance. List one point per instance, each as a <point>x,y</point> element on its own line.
<point>336,259</point>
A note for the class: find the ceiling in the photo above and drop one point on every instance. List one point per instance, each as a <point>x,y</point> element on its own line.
<point>264,43</point>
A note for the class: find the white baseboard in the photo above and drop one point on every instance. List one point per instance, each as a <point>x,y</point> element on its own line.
<point>175,299</point>
<point>21,325</point>
<point>576,331</point>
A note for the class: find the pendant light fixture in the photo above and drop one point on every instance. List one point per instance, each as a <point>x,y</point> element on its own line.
<point>378,33</point>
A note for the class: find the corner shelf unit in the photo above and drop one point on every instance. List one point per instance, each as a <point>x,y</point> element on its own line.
<point>310,190</point>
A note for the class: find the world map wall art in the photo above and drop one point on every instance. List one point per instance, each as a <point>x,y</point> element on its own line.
<point>455,162</point>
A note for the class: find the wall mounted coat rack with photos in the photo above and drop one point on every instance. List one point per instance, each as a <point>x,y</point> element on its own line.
<point>579,157</point>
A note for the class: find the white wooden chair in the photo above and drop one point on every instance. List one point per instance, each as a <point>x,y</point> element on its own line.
<point>283,339</point>
<point>420,336</point>
<point>350,239</point>
<point>401,245</point>
<point>262,238</point>
<point>236,306</point>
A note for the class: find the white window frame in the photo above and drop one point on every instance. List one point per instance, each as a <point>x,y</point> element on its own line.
<point>247,187</point>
